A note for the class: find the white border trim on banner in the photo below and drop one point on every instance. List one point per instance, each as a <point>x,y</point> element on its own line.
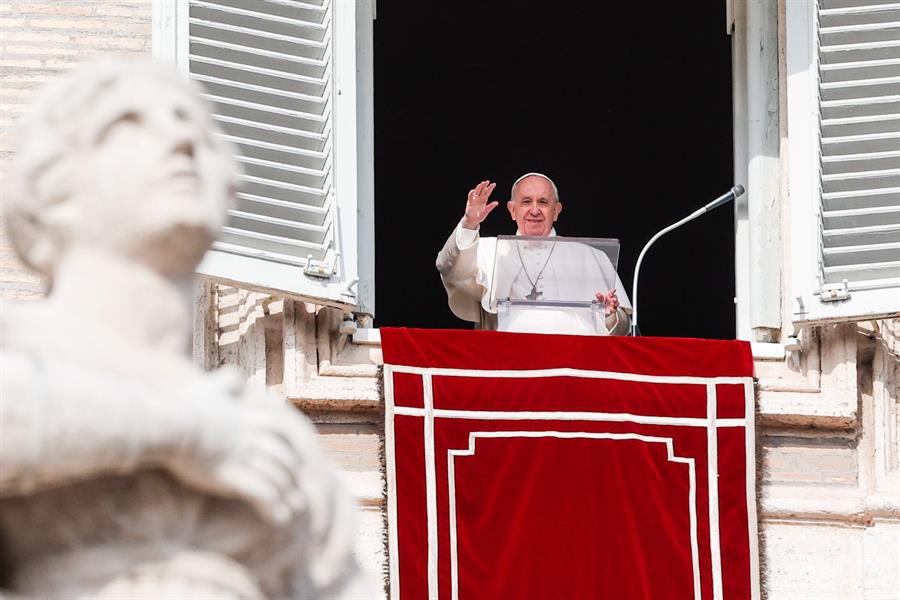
<point>391,474</point>
<point>712,489</point>
<point>568,372</point>
<point>752,524</point>
<point>523,415</point>
<point>670,454</point>
<point>430,488</point>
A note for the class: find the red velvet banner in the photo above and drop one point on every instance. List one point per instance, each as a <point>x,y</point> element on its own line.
<point>544,466</point>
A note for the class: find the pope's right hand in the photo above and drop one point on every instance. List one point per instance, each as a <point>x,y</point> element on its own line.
<point>477,205</point>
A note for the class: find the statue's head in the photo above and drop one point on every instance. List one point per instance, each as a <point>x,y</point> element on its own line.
<point>121,157</point>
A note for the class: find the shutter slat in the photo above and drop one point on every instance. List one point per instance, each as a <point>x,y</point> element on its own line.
<point>272,225</point>
<point>275,110</point>
<point>858,194</point>
<point>864,27</point>
<point>857,10</point>
<point>268,254</point>
<point>865,156</point>
<point>885,273</point>
<point>248,155</point>
<point>305,212</point>
<point>826,48</point>
<point>285,185</point>
<point>870,254</point>
<point>293,58</point>
<point>860,102</point>
<point>874,234</point>
<point>283,7</point>
<point>860,119</point>
<point>258,94</point>
<point>258,241</point>
<point>269,127</point>
<point>859,108</point>
<point>265,16</point>
<point>249,31</point>
<point>864,137</point>
<point>285,176</point>
<point>244,142</point>
<point>274,241</point>
<point>848,71</point>
<point>876,81</point>
<point>878,180</point>
<point>254,70</point>
<point>294,206</point>
<point>861,217</point>
<point>296,168</point>
<point>866,175</point>
<point>859,144</point>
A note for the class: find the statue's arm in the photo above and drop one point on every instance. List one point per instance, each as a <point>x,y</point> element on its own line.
<point>60,423</point>
<point>459,270</point>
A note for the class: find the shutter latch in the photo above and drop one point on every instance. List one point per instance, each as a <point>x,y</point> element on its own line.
<point>323,269</point>
<point>834,292</point>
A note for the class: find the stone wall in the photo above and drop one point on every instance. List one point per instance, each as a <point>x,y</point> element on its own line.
<point>296,350</point>
<point>830,495</point>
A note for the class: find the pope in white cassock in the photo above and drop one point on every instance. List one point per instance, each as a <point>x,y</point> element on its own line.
<point>529,270</point>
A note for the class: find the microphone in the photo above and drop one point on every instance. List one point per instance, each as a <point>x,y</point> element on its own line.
<point>728,196</point>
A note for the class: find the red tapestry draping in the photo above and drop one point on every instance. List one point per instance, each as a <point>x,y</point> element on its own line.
<point>553,466</point>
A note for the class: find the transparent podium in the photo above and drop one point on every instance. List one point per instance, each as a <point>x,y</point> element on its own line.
<point>548,284</point>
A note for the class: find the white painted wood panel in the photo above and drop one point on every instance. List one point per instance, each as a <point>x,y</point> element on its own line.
<point>844,126</point>
<point>281,77</point>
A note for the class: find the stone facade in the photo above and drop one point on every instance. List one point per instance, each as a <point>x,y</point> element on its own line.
<point>830,502</point>
<point>297,350</point>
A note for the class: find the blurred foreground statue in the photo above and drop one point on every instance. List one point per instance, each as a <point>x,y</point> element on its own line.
<point>125,471</point>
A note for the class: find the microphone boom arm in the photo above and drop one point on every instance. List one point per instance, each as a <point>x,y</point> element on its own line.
<point>727,197</point>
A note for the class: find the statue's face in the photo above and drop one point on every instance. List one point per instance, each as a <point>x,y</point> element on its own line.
<point>156,181</point>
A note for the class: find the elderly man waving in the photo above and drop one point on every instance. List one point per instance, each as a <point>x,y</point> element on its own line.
<point>466,261</point>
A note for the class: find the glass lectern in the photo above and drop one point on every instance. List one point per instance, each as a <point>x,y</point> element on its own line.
<point>547,284</point>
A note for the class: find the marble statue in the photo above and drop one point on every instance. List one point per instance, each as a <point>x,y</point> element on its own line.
<point>126,471</point>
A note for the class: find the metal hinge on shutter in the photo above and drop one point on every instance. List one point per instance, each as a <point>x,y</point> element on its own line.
<point>834,292</point>
<point>322,269</point>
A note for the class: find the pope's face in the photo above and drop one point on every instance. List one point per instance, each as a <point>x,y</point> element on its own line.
<point>156,181</point>
<point>534,207</point>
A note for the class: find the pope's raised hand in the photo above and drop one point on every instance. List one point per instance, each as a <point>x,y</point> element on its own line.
<point>478,206</point>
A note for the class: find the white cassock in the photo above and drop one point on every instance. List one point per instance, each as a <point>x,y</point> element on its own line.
<point>478,272</point>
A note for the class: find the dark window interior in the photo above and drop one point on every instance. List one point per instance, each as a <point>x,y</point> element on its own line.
<point>626,105</point>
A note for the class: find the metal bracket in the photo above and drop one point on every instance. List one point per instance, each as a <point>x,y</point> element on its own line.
<point>322,269</point>
<point>834,292</point>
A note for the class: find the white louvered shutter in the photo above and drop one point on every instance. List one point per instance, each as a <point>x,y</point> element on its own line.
<point>856,54</point>
<point>282,78</point>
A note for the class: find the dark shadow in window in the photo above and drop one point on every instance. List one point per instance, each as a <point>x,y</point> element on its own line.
<point>626,106</point>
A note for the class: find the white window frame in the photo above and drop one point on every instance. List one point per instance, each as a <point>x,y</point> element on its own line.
<point>804,205</point>
<point>353,172</point>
